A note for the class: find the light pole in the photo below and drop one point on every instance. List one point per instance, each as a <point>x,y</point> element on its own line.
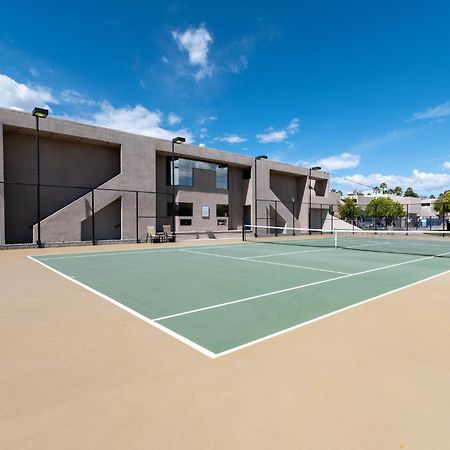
<point>39,113</point>
<point>310,194</point>
<point>257,158</point>
<point>177,140</point>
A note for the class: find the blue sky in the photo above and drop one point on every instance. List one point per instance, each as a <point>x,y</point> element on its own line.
<point>360,88</point>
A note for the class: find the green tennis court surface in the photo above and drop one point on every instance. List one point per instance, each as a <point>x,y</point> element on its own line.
<point>222,297</point>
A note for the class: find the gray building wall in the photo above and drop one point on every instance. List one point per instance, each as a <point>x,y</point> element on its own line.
<point>62,163</point>
<point>114,162</point>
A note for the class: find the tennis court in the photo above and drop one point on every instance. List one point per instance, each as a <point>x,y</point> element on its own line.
<point>221,298</point>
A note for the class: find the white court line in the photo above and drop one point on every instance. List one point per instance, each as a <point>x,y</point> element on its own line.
<point>338,311</point>
<point>294,288</point>
<point>262,262</point>
<point>291,253</point>
<point>132,312</point>
<point>133,252</point>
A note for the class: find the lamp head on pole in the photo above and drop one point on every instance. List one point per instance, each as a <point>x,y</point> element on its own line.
<point>261,157</point>
<point>178,140</point>
<point>316,168</point>
<point>42,113</point>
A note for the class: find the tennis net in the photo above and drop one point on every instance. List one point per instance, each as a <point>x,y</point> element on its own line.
<point>426,243</point>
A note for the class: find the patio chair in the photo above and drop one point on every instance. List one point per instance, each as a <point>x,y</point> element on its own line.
<point>169,236</point>
<point>152,235</point>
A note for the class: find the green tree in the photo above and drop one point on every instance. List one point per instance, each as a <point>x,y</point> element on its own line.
<point>337,191</point>
<point>442,204</point>
<point>409,192</point>
<point>385,208</point>
<point>349,209</point>
<point>383,188</point>
<point>397,190</point>
<point>376,190</point>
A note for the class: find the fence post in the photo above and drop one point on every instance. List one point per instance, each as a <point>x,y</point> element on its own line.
<point>332,217</point>
<point>293,217</point>
<point>137,217</point>
<point>276,218</point>
<point>93,217</point>
<point>407,217</point>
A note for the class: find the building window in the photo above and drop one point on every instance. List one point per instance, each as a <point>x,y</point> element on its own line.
<point>222,210</point>
<point>185,222</point>
<point>181,209</point>
<point>184,172</point>
<point>205,212</point>
<point>247,174</point>
<point>221,222</point>
<point>425,204</point>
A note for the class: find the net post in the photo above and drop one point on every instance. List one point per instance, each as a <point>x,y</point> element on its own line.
<point>335,239</point>
<point>443,220</point>
<point>321,218</point>
<point>407,217</point>
<point>243,229</point>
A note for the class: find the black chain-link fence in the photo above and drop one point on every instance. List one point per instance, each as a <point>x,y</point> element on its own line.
<point>51,214</point>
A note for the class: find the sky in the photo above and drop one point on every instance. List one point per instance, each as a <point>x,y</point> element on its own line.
<point>360,88</point>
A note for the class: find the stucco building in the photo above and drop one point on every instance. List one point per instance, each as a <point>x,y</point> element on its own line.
<point>102,184</point>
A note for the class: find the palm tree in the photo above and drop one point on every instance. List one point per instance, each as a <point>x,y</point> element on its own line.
<point>383,187</point>
<point>398,190</point>
<point>376,190</point>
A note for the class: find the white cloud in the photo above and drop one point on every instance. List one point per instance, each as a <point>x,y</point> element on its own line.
<point>76,98</point>
<point>335,162</point>
<point>203,133</point>
<point>204,120</point>
<point>23,97</point>
<point>137,119</point>
<point>446,165</point>
<point>173,119</point>
<point>272,135</point>
<point>239,65</point>
<point>196,42</point>
<point>231,139</point>
<point>433,112</point>
<point>419,181</point>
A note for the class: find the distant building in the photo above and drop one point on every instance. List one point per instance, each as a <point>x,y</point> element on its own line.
<point>419,207</point>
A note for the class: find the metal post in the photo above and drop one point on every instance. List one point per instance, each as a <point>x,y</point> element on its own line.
<point>332,217</point>
<point>293,217</point>
<point>93,217</point>
<point>173,188</point>
<point>443,219</point>
<point>276,218</point>
<point>407,217</point>
<point>137,217</point>
<point>38,184</point>
<point>321,218</point>
<point>310,197</point>
<point>256,203</point>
